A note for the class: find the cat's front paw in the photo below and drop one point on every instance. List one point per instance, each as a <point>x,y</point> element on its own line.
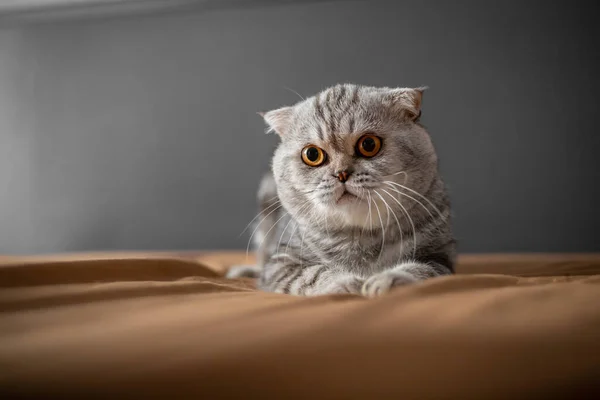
<point>243,271</point>
<point>379,284</point>
<point>345,285</point>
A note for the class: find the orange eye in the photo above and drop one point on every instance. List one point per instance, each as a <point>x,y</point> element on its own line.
<point>313,155</point>
<point>368,145</point>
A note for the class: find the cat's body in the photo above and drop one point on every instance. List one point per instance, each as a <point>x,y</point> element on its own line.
<point>355,203</point>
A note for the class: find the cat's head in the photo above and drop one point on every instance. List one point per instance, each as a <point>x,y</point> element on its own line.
<point>344,151</point>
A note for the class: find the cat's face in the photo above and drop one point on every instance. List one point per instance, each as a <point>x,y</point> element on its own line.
<point>344,151</point>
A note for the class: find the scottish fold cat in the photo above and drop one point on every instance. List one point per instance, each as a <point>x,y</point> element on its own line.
<point>354,202</point>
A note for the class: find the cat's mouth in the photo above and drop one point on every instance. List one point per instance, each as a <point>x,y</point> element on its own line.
<point>346,197</point>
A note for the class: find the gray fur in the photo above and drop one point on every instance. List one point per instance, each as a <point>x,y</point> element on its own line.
<point>396,230</point>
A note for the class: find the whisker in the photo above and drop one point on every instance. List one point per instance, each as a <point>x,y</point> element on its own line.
<point>368,215</point>
<point>288,224</point>
<point>293,91</point>
<point>433,220</point>
<point>291,236</point>
<point>397,223</point>
<point>420,195</point>
<point>282,233</point>
<point>398,173</point>
<point>302,248</point>
<point>409,220</point>
<point>274,225</point>
<point>382,231</point>
<point>257,226</point>
<point>300,212</point>
<point>259,214</point>
<point>307,191</point>
<point>364,223</point>
<point>267,234</point>
<point>370,218</point>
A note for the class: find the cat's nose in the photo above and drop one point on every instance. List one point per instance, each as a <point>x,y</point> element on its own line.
<point>343,175</point>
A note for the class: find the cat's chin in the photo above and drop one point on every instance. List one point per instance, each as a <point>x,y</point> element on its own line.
<point>347,198</point>
<point>353,214</point>
<point>350,208</point>
<point>345,195</point>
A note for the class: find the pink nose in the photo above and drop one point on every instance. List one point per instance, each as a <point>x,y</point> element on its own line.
<point>343,176</point>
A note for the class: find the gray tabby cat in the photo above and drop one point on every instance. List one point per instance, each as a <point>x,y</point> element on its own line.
<point>355,203</point>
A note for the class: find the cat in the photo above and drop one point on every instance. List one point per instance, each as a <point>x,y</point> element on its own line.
<point>354,203</point>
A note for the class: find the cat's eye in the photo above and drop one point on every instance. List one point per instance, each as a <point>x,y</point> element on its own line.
<point>313,155</point>
<point>368,145</point>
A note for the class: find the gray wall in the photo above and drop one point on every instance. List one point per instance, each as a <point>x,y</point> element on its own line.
<point>141,132</point>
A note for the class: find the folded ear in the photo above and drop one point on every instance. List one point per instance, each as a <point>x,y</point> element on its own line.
<point>278,120</point>
<point>408,101</point>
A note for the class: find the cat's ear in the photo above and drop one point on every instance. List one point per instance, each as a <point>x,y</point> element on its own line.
<point>278,120</point>
<point>408,101</point>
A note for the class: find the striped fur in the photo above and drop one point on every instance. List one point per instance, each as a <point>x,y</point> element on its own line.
<point>393,225</point>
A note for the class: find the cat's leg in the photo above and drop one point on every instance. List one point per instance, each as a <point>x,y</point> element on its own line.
<point>403,274</point>
<point>283,276</point>
<point>243,271</point>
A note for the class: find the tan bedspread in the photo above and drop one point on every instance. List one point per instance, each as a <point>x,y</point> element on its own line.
<point>168,325</point>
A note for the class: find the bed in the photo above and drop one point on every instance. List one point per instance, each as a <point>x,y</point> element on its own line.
<point>169,325</point>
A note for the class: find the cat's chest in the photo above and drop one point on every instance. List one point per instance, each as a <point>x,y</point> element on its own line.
<point>359,252</point>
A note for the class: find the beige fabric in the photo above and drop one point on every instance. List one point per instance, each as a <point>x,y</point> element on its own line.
<point>167,324</point>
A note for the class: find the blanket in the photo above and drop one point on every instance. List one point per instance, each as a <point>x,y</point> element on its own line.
<point>169,325</point>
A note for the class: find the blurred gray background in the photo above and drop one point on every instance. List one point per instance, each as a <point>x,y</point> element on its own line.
<point>138,130</point>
